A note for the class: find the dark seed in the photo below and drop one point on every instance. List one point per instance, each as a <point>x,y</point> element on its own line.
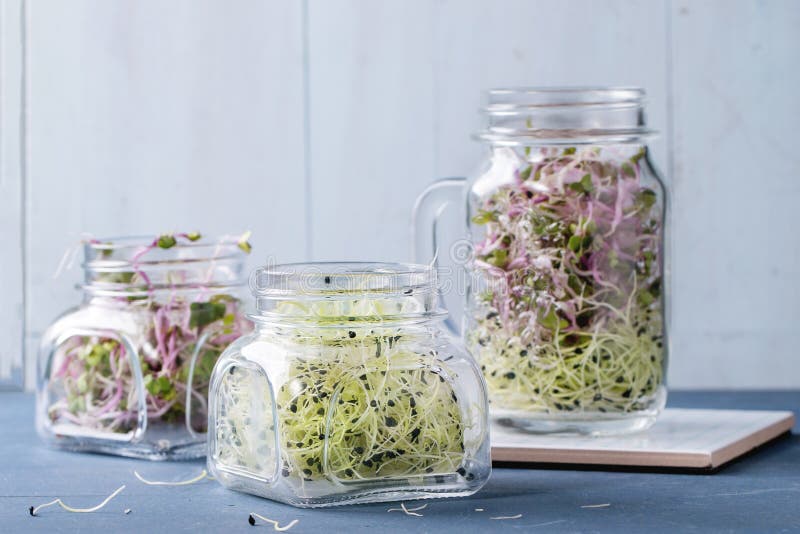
<point>391,421</point>
<point>351,334</point>
<point>461,471</point>
<point>250,519</point>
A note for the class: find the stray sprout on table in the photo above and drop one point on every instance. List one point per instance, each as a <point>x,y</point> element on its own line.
<point>501,517</point>
<point>252,520</point>
<point>34,509</point>
<point>408,511</point>
<point>203,475</point>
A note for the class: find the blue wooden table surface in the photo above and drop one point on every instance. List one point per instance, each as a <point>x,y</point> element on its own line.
<point>760,492</point>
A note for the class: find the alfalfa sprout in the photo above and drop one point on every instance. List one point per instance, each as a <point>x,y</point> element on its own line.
<point>570,316</point>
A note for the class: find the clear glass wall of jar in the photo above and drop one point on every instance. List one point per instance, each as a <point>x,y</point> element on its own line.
<point>565,305</point>
<point>348,391</point>
<point>127,371</point>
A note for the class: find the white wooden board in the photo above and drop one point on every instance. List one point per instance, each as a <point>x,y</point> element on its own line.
<point>680,438</point>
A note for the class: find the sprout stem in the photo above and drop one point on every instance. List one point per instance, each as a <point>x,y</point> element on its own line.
<point>408,511</point>
<point>34,510</point>
<point>203,474</point>
<point>275,525</point>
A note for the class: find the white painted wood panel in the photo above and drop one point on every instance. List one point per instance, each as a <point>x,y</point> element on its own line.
<point>736,188</point>
<point>148,116</point>
<point>371,124</point>
<point>516,43</point>
<point>11,278</point>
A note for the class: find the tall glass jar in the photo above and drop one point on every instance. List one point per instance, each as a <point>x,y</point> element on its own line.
<point>127,371</point>
<point>348,391</point>
<point>565,222</point>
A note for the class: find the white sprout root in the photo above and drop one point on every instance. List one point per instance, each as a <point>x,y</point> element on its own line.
<point>33,510</point>
<point>408,511</point>
<point>604,505</point>
<point>203,474</point>
<point>507,517</point>
<point>275,525</point>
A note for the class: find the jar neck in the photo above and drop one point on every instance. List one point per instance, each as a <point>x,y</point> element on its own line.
<point>132,269</point>
<point>342,295</point>
<point>564,116</point>
<point>536,152</point>
<point>345,330</point>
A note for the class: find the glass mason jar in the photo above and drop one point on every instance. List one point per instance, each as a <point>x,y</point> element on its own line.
<point>565,293</point>
<point>127,371</point>
<point>348,391</point>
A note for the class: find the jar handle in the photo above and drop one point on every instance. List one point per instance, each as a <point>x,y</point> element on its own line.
<point>190,391</point>
<point>49,345</point>
<point>426,226</point>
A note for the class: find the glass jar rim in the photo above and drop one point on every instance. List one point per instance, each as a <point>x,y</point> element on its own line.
<point>136,266</point>
<point>345,292</point>
<point>523,116</point>
<point>135,242</point>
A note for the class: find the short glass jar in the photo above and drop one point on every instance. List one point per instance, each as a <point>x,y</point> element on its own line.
<point>348,391</point>
<point>127,371</point>
<point>565,224</point>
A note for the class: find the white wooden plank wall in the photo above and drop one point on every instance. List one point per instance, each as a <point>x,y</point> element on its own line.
<point>316,123</point>
<point>736,174</point>
<point>11,267</point>
<point>148,116</point>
